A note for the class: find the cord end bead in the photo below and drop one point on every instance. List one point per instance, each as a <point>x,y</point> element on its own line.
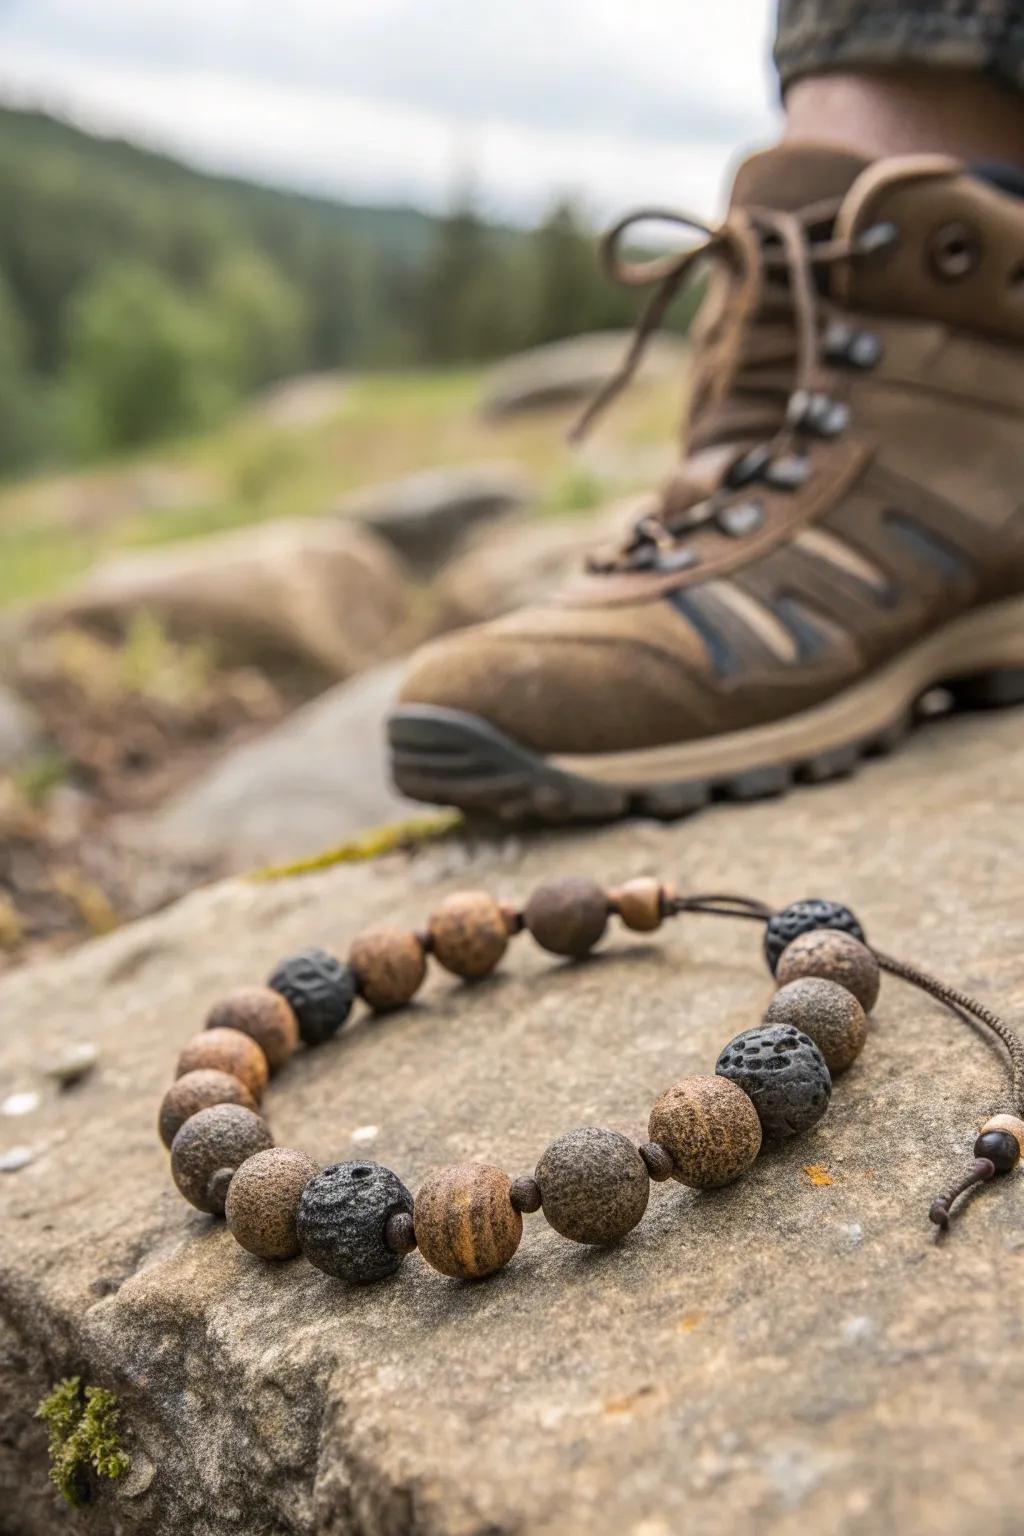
<point>980,1171</point>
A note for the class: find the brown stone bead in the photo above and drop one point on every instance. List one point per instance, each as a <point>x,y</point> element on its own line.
<point>709,1128</point>
<point>263,1015</point>
<point>525,1194</point>
<point>832,955</point>
<point>567,916</point>
<point>400,1233</point>
<point>227,1050</point>
<point>828,1013</point>
<point>468,933</point>
<point>466,1225</point>
<point>196,1091</point>
<point>639,904</point>
<point>1009,1123</point>
<point>263,1198</point>
<point>389,966</point>
<point>594,1185</point>
<point>211,1145</point>
<point>658,1161</point>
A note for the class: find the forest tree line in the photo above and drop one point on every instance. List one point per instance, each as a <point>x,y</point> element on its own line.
<point>141,299</point>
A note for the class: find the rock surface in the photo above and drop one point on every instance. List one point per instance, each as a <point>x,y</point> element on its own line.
<point>307,593</point>
<point>318,778</point>
<point>797,1352</point>
<point>19,730</point>
<point>567,371</point>
<point>425,516</point>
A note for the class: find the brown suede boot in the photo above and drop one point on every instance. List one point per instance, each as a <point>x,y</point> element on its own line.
<point>846,532</point>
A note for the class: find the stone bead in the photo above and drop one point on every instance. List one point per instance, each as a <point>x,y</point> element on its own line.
<point>784,1075</point>
<point>1010,1123</point>
<point>833,956</point>
<point>468,933</point>
<point>226,1050</point>
<point>265,1016</point>
<point>1000,1147</point>
<point>525,1194</point>
<point>212,1143</point>
<point>320,989</point>
<point>343,1221</point>
<point>567,916</point>
<point>195,1091</point>
<point>801,917</point>
<point>658,1160</point>
<point>639,904</point>
<point>389,966</point>
<point>263,1201</point>
<point>466,1224</point>
<point>709,1128</point>
<point>594,1185</point>
<point>827,1012</point>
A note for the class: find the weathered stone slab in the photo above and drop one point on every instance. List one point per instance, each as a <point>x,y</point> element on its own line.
<point>784,1356</point>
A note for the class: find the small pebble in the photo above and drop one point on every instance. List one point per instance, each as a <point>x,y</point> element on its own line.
<point>15,1158</point>
<point>72,1062</point>
<point>366,1133</point>
<point>20,1104</point>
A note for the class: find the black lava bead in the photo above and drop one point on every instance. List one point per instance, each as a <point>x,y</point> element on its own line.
<point>1000,1148</point>
<point>343,1217</point>
<point>783,1073</point>
<point>320,989</point>
<point>801,917</point>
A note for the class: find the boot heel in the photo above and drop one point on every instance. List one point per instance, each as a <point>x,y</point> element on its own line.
<point>989,690</point>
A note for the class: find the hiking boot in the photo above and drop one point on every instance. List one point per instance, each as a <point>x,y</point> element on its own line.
<point>845,534</point>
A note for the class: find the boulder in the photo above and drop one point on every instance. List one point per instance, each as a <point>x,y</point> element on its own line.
<point>424,516</point>
<point>564,372</point>
<point>797,1352</point>
<point>318,778</point>
<point>311,594</point>
<point>19,730</point>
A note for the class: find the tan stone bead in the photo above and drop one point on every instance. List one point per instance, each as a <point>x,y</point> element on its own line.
<point>466,1225</point>
<point>828,1013</point>
<point>208,1149</point>
<point>567,916</point>
<point>1008,1123</point>
<point>639,904</point>
<point>709,1128</point>
<point>468,933</point>
<point>196,1091</point>
<point>265,1016</point>
<point>263,1199</point>
<point>227,1050</point>
<point>389,965</point>
<point>833,956</point>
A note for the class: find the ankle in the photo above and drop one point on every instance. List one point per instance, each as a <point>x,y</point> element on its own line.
<point>894,112</point>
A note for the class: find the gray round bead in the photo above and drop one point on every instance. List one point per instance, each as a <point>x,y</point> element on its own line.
<point>594,1185</point>
<point>342,1220</point>
<point>783,1073</point>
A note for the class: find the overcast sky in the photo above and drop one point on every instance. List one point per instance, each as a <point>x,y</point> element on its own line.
<point>621,101</point>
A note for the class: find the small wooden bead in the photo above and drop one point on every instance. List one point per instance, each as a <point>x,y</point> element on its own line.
<point>658,1161</point>
<point>513,917</point>
<point>343,1221</point>
<point>196,1091</point>
<point>709,1128</point>
<point>1000,1147</point>
<point>525,1194</point>
<point>827,1012</point>
<point>1010,1123</point>
<point>263,1200</point>
<point>262,1014</point>
<point>209,1147</point>
<point>468,934</point>
<point>466,1224</point>
<point>400,1233</point>
<point>639,904</point>
<point>833,956</point>
<point>389,966</point>
<point>567,916</point>
<point>227,1050</point>
<point>594,1185</point>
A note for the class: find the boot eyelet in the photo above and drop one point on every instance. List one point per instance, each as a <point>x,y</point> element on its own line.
<point>748,467</point>
<point>954,252</point>
<point>848,348</point>
<point>789,473</point>
<point>741,519</point>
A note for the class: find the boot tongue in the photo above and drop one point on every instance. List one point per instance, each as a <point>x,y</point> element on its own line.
<point>794,176</point>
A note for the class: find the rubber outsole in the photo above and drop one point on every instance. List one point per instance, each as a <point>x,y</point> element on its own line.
<point>449,757</point>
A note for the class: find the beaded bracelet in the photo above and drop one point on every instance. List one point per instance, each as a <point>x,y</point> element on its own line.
<point>356,1220</point>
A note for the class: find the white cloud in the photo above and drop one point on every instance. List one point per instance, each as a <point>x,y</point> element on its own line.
<point>619,100</point>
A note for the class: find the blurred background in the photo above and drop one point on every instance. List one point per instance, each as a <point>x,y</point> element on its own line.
<point>296,303</point>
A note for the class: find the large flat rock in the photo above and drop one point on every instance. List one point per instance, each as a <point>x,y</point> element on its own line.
<point>783,1356</point>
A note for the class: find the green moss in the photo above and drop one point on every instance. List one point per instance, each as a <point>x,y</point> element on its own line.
<point>398,834</point>
<point>83,1425</point>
